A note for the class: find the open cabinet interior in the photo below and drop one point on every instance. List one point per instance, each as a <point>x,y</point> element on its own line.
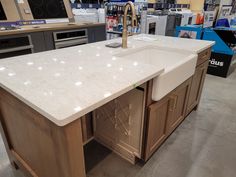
<point>118,125</point>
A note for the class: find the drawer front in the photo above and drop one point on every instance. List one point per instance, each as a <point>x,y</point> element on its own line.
<point>204,56</point>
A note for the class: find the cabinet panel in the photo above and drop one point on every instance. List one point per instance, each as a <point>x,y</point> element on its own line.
<point>178,105</point>
<point>156,129</point>
<point>38,42</point>
<point>49,41</point>
<point>119,124</point>
<point>96,34</point>
<point>87,128</point>
<point>203,56</point>
<point>196,86</point>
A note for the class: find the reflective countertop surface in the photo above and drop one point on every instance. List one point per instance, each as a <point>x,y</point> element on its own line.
<point>65,84</point>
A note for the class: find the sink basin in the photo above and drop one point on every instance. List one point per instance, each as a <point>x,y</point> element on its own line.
<point>179,65</point>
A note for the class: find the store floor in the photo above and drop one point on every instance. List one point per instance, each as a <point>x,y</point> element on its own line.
<point>203,146</point>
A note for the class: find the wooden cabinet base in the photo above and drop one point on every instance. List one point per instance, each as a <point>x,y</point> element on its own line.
<point>36,145</point>
<point>132,125</point>
<point>164,116</point>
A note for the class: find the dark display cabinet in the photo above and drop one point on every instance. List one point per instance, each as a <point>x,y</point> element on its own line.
<point>48,9</point>
<point>2,13</point>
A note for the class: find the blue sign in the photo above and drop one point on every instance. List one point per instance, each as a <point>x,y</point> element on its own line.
<point>8,24</point>
<point>31,22</point>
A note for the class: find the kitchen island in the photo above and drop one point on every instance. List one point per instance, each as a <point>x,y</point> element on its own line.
<point>47,98</point>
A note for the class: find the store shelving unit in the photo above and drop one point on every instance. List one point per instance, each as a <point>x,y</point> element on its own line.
<point>114,18</point>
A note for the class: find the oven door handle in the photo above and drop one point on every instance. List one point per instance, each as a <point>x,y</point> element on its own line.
<point>16,49</point>
<point>70,43</point>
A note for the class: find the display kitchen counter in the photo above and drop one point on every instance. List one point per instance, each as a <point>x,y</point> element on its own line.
<point>45,95</point>
<point>49,27</point>
<point>40,38</point>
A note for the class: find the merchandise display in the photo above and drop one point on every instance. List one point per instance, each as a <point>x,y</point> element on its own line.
<point>114,18</point>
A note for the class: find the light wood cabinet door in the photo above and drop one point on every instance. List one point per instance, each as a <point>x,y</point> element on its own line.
<point>196,86</point>
<point>156,125</point>
<point>177,108</point>
<point>164,116</point>
<point>119,125</point>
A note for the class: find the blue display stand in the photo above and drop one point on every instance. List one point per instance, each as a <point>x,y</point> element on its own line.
<point>223,58</point>
<point>222,62</point>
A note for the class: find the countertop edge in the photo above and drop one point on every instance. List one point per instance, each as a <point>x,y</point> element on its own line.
<point>211,44</point>
<point>80,114</point>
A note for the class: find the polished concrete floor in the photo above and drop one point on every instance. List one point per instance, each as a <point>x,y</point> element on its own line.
<point>203,146</point>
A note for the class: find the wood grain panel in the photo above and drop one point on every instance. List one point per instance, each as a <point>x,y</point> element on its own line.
<point>87,128</point>
<point>37,145</point>
<point>22,7</point>
<point>179,99</point>
<point>198,80</point>
<point>156,126</point>
<point>11,10</point>
<point>204,56</point>
<point>119,124</point>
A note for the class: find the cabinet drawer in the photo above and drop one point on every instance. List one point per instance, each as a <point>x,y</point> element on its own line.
<point>204,56</point>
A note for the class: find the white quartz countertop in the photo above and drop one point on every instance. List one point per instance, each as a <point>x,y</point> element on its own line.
<point>192,45</point>
<point>65,84</point>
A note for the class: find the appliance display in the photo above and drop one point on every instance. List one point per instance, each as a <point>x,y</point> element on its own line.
<point>48,9</point>
<point>173,20</point>
<point>187,15</point>
<point>70,38</point>
<point>161,24</point>
<point>194,19</point>
<point>15,46</point>
<point>151,26</point>
<point>224,12</point>
<point>156,24</point>
<point>208,19</point>
<point>2,13</point>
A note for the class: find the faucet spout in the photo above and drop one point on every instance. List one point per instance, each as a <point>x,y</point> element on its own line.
<point>129,5</point>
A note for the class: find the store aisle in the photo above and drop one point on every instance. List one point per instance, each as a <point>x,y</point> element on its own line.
<point>204,145</point>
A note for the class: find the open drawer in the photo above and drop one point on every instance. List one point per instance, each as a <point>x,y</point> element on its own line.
<point>118,125</point>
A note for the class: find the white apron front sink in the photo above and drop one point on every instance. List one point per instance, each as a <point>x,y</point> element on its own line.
<point>179,65</point>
